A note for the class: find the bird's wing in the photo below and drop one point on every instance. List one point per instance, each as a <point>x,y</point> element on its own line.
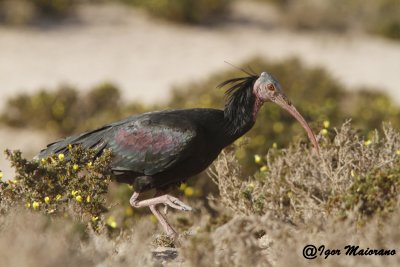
<point>152,143</point>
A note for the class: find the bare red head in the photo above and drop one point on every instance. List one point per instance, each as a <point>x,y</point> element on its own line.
<point>266,88</point>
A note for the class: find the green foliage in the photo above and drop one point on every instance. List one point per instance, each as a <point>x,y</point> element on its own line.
<point>185,11</point>
<point>350,175</point>
<point>380,16</point>
<point>27,11</point>
<point>54,7</point>
<point>375,192</point>
<point>383,18</point>
<point>65,111</point>
<point>60,185</point>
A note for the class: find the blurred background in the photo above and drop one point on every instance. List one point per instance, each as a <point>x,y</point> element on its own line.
<point>67,66</point>
<point>71,65</point>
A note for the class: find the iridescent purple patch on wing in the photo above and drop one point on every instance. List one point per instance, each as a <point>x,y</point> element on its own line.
<point>143,141</point>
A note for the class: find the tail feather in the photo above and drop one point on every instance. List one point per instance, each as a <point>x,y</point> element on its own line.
<point>91,140</point>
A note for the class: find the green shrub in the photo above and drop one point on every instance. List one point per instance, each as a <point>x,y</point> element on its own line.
<point>184,11</point>
<point>187,11</point>
<point>384,18</point>
<point>28,11</point>
<point>59,187</point>
<point>375,192</point>
<point>54,7</point>
<point>350,175</point>
<point>64,111</point>
<point>380,17</point>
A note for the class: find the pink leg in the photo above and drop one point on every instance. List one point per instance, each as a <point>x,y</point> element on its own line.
<point>164,223</point>
<point>166,199</point>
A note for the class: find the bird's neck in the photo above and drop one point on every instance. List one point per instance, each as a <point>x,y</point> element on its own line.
<point>240,116</point>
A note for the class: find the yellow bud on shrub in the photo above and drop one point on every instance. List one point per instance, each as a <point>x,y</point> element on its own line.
<point>111,222</point>
<point>35,205</point>
<point>257,158</point>
<point>78,198</point>
<point>326,124</point>
<point>75,167</point>
<point>189,191</point>
<point>264,169</point>
<point>182,186</point>
<point>61,157</point>
<point>58,197</point>
<point>47,200</point>
<point>324,131</point>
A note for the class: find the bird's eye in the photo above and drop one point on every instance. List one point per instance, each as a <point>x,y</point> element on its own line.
<point>271,87</point>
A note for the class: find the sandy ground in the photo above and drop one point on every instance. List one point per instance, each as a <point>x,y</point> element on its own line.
<point>145,57</point>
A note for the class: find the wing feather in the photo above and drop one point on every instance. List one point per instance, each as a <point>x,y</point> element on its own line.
<point>152,144</point>
<point>146,144</point>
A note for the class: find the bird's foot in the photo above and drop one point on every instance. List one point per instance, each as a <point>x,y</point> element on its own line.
<point>166,199</point>
<point>175,203</point>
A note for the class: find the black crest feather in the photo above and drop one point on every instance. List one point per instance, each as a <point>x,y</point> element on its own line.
<point>240,98</point>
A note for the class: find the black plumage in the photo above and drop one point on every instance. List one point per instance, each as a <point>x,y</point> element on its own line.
<point>157,149</point>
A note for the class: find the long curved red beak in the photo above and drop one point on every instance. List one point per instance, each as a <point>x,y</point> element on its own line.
<point>284,102</point>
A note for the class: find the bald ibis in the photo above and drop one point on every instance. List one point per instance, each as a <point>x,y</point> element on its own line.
<point>163,148</point>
